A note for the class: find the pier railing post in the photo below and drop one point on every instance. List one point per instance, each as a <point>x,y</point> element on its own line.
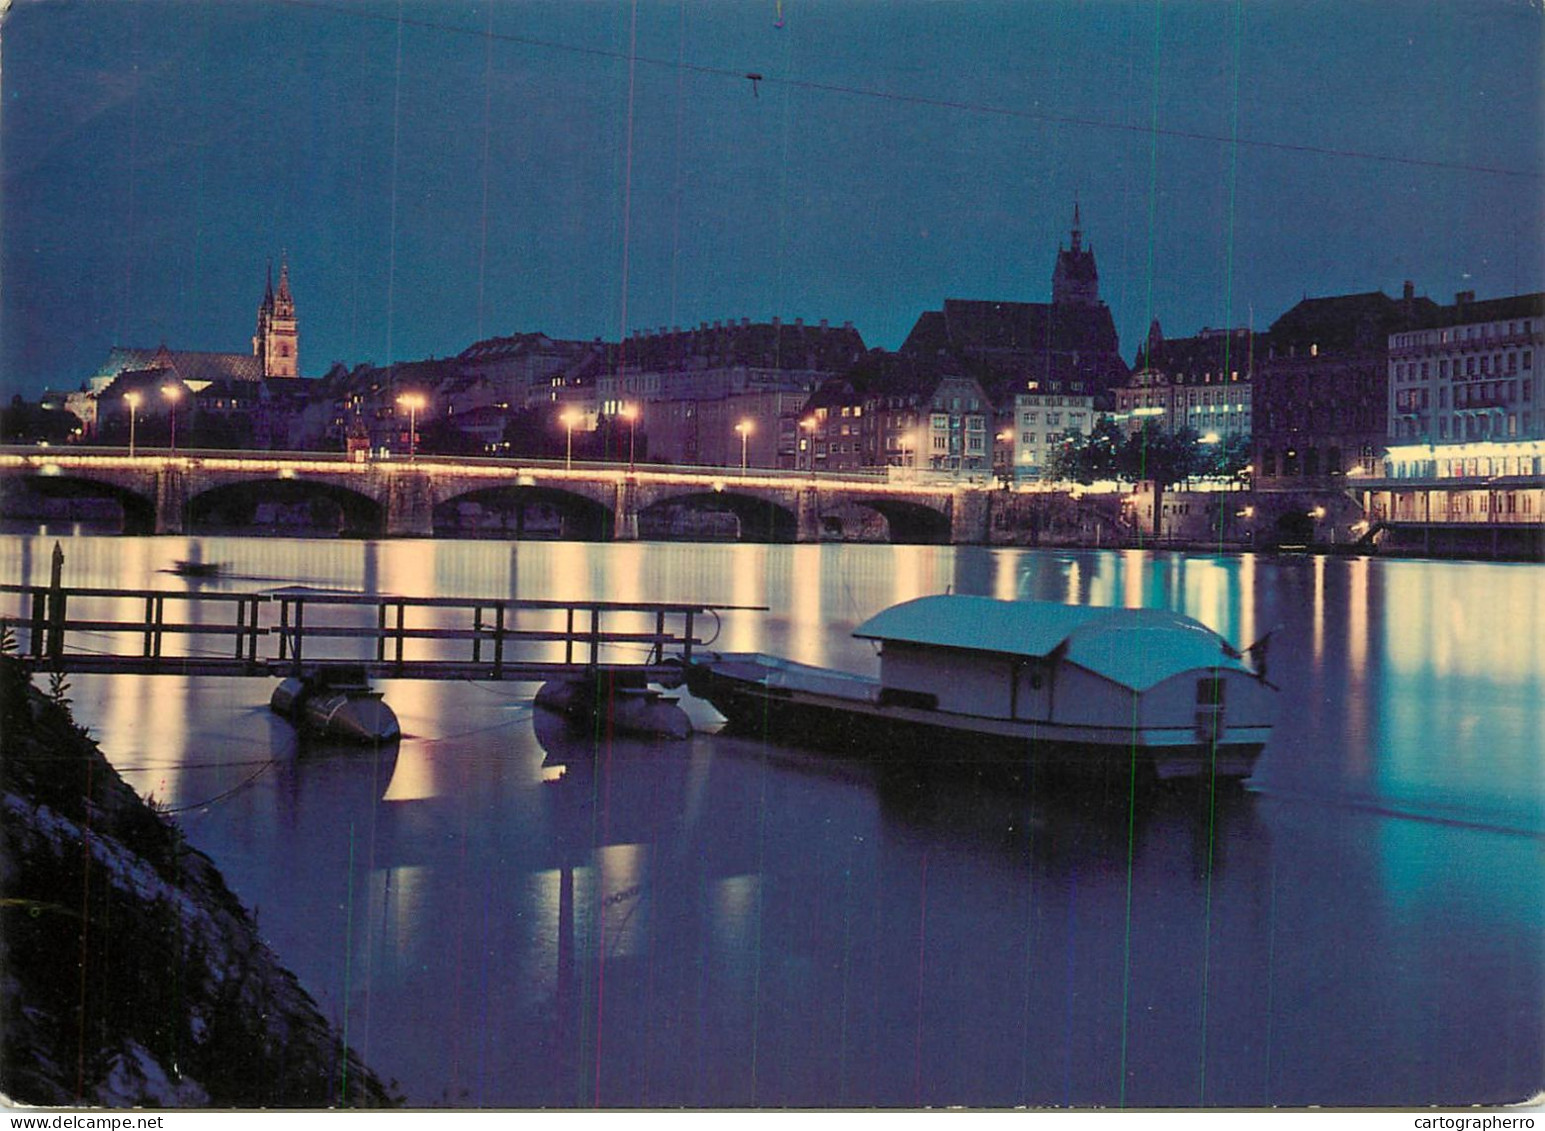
<point>37,636</point>
<point>498,641</point>
<point>56,603</point>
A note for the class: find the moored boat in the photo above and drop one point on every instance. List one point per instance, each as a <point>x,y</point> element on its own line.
<point>979,681</point>
<point>630,708</point>
<point>336,703</point>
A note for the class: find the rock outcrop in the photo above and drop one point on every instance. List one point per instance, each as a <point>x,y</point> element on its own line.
<point>132,976</point>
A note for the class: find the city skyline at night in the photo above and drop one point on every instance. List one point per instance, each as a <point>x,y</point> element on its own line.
<point>450,172</point>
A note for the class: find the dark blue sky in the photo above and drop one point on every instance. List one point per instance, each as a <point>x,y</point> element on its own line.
<point>443,171</point>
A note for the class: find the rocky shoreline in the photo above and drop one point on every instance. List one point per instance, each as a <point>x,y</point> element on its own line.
<point>132,976</point>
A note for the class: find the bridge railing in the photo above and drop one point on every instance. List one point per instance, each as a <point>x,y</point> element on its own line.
<point>143,457</point>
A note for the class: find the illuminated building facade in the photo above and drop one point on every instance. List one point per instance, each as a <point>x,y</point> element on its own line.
<point>1475,374</point>
<point>1041,421</point>
<point>1321,404</point>
<point>1203,383</point>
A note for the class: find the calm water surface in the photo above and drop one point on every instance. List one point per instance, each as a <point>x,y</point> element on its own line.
<point>506,911</point>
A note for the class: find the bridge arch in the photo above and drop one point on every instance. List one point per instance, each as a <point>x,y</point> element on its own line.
<point>514,510</point>
<point>32,494</point>
<point>725,514</point>
<point>291,503</point>
<point>909,522</point>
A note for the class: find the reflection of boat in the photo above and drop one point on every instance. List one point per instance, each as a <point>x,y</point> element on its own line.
<point>336,703</point>
<point>185,568</point>
<point>975,680</point>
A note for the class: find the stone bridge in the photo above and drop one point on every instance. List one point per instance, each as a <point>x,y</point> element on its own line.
<point>169,494</point>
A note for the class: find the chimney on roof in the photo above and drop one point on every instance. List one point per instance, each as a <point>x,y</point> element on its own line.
<point>824,326</point>
<point>799,322</point>
<point>718,323</point>
<point>744,321</point>
<point>847,325</point>
<point>1410,291</point>
<point>1464,297</point>
<point>777,321</point>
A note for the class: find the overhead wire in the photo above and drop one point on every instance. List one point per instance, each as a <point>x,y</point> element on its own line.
<point>738,74</point>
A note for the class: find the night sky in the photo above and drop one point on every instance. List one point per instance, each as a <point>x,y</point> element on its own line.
<point>439,172</point>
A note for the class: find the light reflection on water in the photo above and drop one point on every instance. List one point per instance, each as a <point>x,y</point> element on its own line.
<point>506,910</point>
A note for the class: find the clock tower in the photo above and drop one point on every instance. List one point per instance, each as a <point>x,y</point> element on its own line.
<point>277,341</point>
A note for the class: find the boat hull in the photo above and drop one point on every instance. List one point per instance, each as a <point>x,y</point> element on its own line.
<point>931,740</point>
<point>351,717</point>
<point>627,709</point>
<point>352,714</point>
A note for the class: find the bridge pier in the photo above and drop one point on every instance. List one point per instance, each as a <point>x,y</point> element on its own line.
<point>171,500</point>
<point>970,515</point>
<point>410,505</point>
<point>807,516</point>
<point>625,512</point>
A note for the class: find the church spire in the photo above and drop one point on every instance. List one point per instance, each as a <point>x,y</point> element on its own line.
<point>276,343</point>
<point>1075,281</point>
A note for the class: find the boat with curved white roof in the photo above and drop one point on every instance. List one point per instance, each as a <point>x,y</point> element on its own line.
<point>1013,682</point>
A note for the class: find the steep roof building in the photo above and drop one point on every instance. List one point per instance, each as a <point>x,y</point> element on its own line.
<point>275,349</point>
<point>1068,345</point>
<point>727,359</point>
<point>1321,406</point>
<point>1202,383</point>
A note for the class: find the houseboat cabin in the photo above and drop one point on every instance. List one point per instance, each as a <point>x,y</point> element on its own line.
<point>1019,680</point>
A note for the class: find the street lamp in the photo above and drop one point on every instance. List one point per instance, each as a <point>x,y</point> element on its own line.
<point>1005,466</point>
<point>807,428</point>
<point>744,428</point>
<point>173,394</point>
<point>630,414</point>
<point>132,400</point>
<point>568,420</point>
<point>412,402</point>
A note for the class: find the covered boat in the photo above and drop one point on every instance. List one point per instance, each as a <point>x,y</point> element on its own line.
<point>1012,681</point>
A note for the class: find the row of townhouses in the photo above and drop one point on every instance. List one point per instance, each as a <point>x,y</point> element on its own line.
<point>978,387</point>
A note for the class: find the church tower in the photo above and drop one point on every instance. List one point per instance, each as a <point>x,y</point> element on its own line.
<point>1074,281</point>
<point>277,341</point>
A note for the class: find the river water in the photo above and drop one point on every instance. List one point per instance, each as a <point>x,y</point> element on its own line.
<point>508,911</point>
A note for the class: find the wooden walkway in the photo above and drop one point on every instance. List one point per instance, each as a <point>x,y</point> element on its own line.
<point>287,631</point>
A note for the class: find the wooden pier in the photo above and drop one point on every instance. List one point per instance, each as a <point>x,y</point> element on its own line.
<point>286,631</point>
